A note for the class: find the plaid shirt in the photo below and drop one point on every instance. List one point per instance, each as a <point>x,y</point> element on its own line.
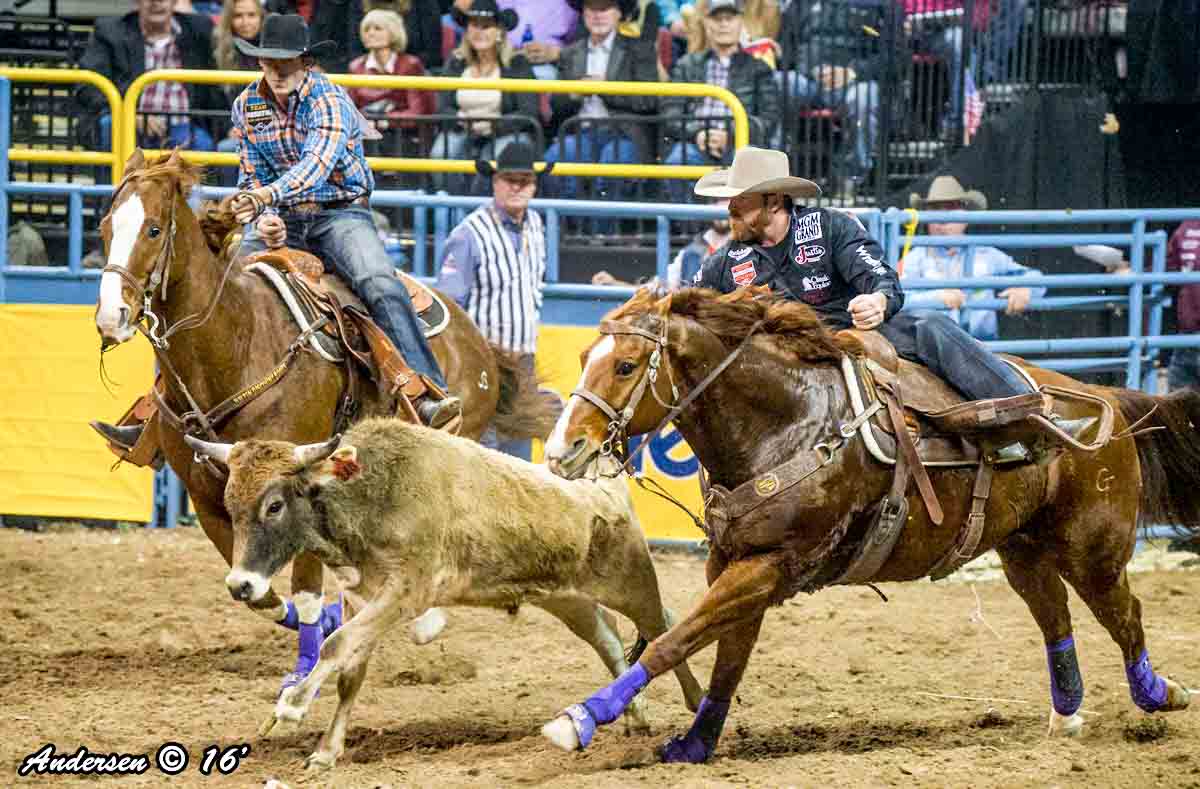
<point>169,97</point>
<point>310,152</point>
<point>717,74</point>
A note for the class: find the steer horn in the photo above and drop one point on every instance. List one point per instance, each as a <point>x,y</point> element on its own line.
<point>307,454</point>
<point>218,452</point>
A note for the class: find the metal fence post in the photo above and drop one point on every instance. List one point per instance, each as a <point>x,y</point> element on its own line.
<point>662,248</point>
<point>1133,370</point>
<point>420,231</point>
<point>75,231</point>
<point>553,232</point>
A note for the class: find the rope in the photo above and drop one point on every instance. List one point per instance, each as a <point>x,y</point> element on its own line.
<point>910,230</point>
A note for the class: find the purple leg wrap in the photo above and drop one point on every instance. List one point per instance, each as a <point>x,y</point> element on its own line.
<point>310,651</point>
<point>701,740</point>
<point>607,704</point>
<point>1066,684</point>
<point>331,617</point>
<point>1148,690</point>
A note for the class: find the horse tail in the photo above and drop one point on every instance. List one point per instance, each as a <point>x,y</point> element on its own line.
<point>1169,457</point>
<point>524,410</point>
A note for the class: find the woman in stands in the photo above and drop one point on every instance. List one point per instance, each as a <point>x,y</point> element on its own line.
<point>385,40</point>
<point>485,53</point>
<point>239,19</point>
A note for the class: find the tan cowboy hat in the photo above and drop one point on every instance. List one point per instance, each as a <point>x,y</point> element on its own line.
<point>947,189</point>
<point>755,171</point>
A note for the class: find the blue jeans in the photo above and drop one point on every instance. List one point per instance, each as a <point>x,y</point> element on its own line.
<point>1184,370</point>
<point>188,136</point>
<point>346,240</point>
<point>518,448</point>
<point>858,102</point>
<point>679,191</point>
<point>940,344</point>
<point>593,144</point>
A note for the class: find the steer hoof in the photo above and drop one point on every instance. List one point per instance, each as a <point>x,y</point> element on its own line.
<point>290,707</point>
<point>1178,697</point>
<point>1064,725</point>
<point>687,749</point>
<point>319,762</point>
<point>428,626</point>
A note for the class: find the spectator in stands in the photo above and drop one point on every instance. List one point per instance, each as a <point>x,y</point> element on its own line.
<point>494,265</point>
<point>604,54</point>
<point>385,39</point>
<point>832,59</point>
<point>936,27</point>
<point>329,20</point>
<point>240,20</point>
<point>760,29</point>
<point>153,37</point>
<point>1183,254</point>
<point>546,27</point>
<point>422,25</point>
<point>947,194</point>
<point>684,268</point>
<point>701,127</point>
<point>485,53</point>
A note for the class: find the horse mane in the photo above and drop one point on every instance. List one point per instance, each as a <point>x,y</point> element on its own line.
<point>794,326</point>
<point>174,167</point>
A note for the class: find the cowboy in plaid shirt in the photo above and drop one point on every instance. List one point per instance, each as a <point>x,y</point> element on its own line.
<point>305,178</point>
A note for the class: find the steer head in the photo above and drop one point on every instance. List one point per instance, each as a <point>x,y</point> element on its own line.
<point>272,497</point>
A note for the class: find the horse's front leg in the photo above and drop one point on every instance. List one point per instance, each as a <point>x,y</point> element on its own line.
<point>733,605</point>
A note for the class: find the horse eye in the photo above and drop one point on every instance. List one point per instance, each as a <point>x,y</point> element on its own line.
<point>626,368</point>
<point>154,231</point>
<point>275,507</point>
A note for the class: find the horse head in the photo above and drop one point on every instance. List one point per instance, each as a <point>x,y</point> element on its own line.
<point>629,360</point>
<point>139,239</point>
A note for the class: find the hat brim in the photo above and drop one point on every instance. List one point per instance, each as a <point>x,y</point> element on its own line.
<point>716,184</point>
<point>628,8</point>
<point>506,18</point>
<point>317,50</point>
<point>487,168</point>
<point>972,199</point>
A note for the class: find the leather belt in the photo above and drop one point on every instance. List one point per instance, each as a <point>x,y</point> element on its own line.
<point>332,205</point>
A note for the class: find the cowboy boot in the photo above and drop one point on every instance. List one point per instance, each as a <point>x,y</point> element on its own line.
<point>131,443</point>
<point>437,413</point>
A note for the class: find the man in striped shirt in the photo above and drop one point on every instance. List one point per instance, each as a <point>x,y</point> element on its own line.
<point>306,182</point>
<point>494,264</point>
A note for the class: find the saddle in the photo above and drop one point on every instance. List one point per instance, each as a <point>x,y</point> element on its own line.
<point>314,296</point>
<point>920,421</point>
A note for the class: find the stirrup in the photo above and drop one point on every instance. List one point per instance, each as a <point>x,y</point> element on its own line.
<point>440,412</point>
<point>123,436</point>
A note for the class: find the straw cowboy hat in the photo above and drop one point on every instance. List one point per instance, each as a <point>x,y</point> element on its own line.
<point>283,37</point>
<point>947,189</point>
<point>755,171</point>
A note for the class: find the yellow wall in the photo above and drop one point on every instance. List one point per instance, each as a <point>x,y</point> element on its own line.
<point>558,365</point>
<point>51,463</point>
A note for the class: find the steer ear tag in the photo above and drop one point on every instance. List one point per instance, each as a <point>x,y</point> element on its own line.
<point>342,465</point>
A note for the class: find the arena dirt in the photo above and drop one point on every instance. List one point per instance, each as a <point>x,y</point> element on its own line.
<point>120,641</point>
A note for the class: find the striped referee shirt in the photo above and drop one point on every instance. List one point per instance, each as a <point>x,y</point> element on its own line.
<point>496,269</point>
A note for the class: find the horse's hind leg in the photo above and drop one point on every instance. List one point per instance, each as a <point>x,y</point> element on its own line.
<point>588,621</point>
<point>1114,605</point>
<point>1031,571</point>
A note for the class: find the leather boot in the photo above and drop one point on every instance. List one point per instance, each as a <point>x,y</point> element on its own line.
<point>123,436</point>
<point>437,413</point>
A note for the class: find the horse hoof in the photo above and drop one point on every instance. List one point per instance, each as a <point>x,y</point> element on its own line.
<point>561,732</point>
<point>684,750</point>
<point>1064,725</point>
<point>1178,697</point>
<point>428,626</point>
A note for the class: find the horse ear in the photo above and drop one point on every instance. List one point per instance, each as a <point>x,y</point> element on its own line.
<point>136,161</point>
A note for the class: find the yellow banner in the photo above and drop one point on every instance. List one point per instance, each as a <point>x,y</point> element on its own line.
<point>51,462</point>
<point>668,459</point>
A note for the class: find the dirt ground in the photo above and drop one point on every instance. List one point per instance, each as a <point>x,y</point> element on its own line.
<point>123,640</point>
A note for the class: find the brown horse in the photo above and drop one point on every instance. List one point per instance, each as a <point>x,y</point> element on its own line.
<point>233,330</point>
<point>1070,517</point>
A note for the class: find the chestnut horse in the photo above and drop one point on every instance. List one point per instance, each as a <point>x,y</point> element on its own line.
<point>233,329</point>
<point>1071,517</point>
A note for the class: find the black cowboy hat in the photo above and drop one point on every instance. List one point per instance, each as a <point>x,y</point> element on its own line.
<point>517,157</point>
<point>629,8</point>
<point>486,9</point>
<point>283,37</point>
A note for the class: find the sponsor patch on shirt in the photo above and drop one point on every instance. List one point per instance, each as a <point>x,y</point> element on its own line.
<point>744,273</point>
<point>809,253</point>
<point>877,267</point>
<point>738,254</point>
<point>808,228</point>
<point>258,112</point>
<point>815,282</point>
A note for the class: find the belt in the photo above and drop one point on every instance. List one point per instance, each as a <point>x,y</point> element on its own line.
<point>332,205</point>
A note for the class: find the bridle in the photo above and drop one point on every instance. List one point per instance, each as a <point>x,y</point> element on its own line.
<point>617,442</point>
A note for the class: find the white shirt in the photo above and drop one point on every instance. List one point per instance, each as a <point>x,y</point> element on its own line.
<point>598,56</point>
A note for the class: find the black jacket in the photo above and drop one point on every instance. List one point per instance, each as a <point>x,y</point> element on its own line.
<point>423,23</point>
<point>510,103</point>
<point>631,60</point>
<point>830,259</point>
<point>117,50</point>
<point>750,79</point>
